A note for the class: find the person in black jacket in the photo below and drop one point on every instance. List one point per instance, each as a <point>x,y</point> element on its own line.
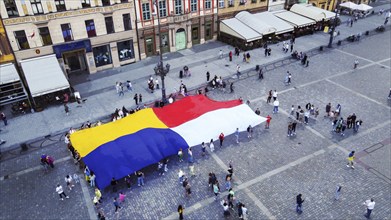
<point>299,202</point>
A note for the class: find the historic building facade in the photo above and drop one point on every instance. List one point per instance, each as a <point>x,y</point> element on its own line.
<point>85,35</point>
<point>184,23</point>
<point>229,8</point>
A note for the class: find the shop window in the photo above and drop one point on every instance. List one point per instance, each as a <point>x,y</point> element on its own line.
<point>102,55</point>
<point>45,36</point>
<point>11,8</point>
<point>106,2</point>
<point>208,4</point>
<point>162,9</point>
<point>21,38</point>
<point>109,25</point>
<point>127,22</point>
<point>90,27</point>
<point>86,3</point>
<point>221,3</point>
<point>193,5</point>
<point>125,50</point>
<point>146,11</point>
<point>60,5</point>
<point>67,32</point>
<point>36,6</point>
<point>178,7</point>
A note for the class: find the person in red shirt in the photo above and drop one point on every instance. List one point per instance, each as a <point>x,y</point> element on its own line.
<point>221,138</point>
<point>268,119</point>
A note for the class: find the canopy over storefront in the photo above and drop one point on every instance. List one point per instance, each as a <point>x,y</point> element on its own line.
<point>270,19</point>
<point>363,7</point>
<point>236,28</point>
<point>44,75</point>
<point>8,73</point>
<point>349,5</point>
<point>255,24</point>
<point>312,12</point>
<point>296,20</point>
<point>11,87</point>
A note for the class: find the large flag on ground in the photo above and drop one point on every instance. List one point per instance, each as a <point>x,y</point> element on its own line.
<point>119,148</point>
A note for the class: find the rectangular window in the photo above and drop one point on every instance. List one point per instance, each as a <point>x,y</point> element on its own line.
<point>193,5</point>
<point>125,50</point>
<point>208,4</point>
<point>90,27</point>
<point>37,6</point>
<point>221,3</point>
<point>45,36</point>
<point>162,9</point>
<point>124,1</point>
<point>106,2</point>
<point>127,22</point>
<point>102,55</point>
<point>60,5</point>
<point>146,11</point>
<point>11,8</point>
<point>21,38</point>
<point>253,1</point>
<point>178,7</point>
<point>230,3</point>
<point>67,32</point>
<point>109,25</point>
<point>242,2</point>
<point>86,3</point>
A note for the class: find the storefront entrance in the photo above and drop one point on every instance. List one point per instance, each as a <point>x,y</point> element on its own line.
<point>76,66</point>
<point>195,35</point>
<point>180,39</point>
<point>149,46</point>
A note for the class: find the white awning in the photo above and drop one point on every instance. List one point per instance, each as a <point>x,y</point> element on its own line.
<point>294,19</point>
<point>280,25</point>
<point>237,29</point>
<point>8,73</point>
<point>350,5</point>
<point>363,7</point>
<point>312,12</point>
<point>44,75</point>
<point>257,25</point>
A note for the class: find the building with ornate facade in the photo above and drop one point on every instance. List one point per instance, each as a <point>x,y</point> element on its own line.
<point>84,35</point>
<point>184,23</point>
<point>229,8</point>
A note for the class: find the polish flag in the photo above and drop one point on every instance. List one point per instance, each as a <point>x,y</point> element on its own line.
<point>32,35</point>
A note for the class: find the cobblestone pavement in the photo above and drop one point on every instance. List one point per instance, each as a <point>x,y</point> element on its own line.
<point>101,99</point>
<point>270,169</point>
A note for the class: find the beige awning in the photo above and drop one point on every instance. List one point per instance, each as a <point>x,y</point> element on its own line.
<point>269,18</point>
<point>237,29</point>
<point>44,75</point>
<point>8,73</point>
<point>296,20</point>
<point>312,12</point>
<point>255,24</point>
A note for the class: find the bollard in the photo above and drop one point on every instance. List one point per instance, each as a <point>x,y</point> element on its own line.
<point>339,43</point>
<point>321,48</point>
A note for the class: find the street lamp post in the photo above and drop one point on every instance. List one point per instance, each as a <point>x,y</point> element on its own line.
<point>333,29</point>
<point>160,69</point>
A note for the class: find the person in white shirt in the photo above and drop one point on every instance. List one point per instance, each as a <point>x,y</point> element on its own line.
<point>69,181</point>
<point>276,103</point>
<point>370,206</point>
<point>60,192</point>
